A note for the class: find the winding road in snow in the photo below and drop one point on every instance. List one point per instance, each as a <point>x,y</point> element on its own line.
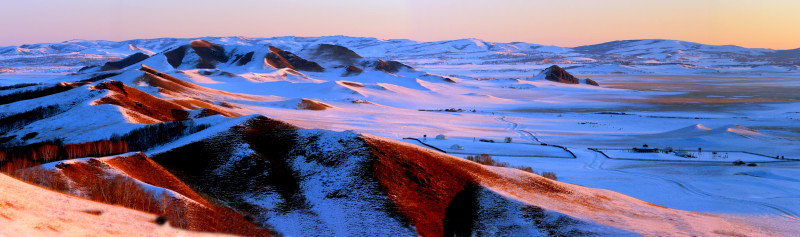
<point>513,126</point>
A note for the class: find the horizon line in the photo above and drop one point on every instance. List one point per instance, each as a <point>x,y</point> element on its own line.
<point>389,39</point>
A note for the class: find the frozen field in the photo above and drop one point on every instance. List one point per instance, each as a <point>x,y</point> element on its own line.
<point>690,156</point>
<point>473,146</point>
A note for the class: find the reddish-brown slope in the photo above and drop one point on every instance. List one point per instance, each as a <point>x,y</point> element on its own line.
<point>148,109</point>
<point>139,167</point>
<point>279,58</point>
<point>130,98</point>
<point>421,185</point>
<point>177,87</point>
<point>210,53</point>
<point>112,180</point>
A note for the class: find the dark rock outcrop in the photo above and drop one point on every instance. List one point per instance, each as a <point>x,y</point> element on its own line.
<point>335,55</point>
<point>130,60</point>
<point>279,58</point>
<point>175,56</point>
<point>558,74</point>
<point>386,66</point>
<point>352,70</point>
<point>241,60</point>
<point>591,82</point>
<point>210,54</point>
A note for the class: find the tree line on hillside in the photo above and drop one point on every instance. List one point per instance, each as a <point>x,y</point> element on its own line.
<point>32,94</point>
<point>20,120</point>
<point>14,156</point>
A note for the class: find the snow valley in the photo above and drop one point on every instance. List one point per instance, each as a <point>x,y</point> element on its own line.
<point>359,136</point>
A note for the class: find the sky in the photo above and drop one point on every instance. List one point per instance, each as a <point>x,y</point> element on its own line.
<point>750,23</point>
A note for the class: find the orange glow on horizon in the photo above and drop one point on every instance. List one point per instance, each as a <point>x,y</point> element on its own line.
<point>754,24</point>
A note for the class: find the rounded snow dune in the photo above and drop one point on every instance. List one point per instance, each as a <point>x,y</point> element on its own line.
<point>699,130</point>
<point>28,210</point>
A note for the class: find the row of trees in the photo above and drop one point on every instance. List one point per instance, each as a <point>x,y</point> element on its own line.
<point>19,120</point>
<point>143,138</point>
<point>17,86</point>
<point>32,94</point>
<point>486,159</point>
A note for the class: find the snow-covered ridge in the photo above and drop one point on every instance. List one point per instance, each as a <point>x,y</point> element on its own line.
<point>628,56</point>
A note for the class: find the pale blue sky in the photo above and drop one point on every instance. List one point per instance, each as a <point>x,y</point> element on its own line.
<point>768,24</point>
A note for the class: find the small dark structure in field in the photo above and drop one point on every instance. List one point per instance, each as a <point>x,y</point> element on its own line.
<point>645,149</point>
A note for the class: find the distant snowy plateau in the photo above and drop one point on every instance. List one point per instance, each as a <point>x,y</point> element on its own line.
<point>654,56</point>
<point>348,136</point>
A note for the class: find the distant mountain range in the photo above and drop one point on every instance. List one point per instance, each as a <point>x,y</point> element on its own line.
<point>651,56</point>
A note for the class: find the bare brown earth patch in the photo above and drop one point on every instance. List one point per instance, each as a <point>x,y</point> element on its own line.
<point>307,104</point>
<point>141,102</point>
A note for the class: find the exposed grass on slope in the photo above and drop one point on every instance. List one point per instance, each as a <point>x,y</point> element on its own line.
<point>45,178</point>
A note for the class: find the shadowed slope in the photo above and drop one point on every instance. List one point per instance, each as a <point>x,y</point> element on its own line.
<point>279,58</point>
<point>127,61</point>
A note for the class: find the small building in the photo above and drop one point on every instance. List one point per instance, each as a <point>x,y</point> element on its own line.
<point>645,149</point>
<point>441,137</point>
<point>456,147</point>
